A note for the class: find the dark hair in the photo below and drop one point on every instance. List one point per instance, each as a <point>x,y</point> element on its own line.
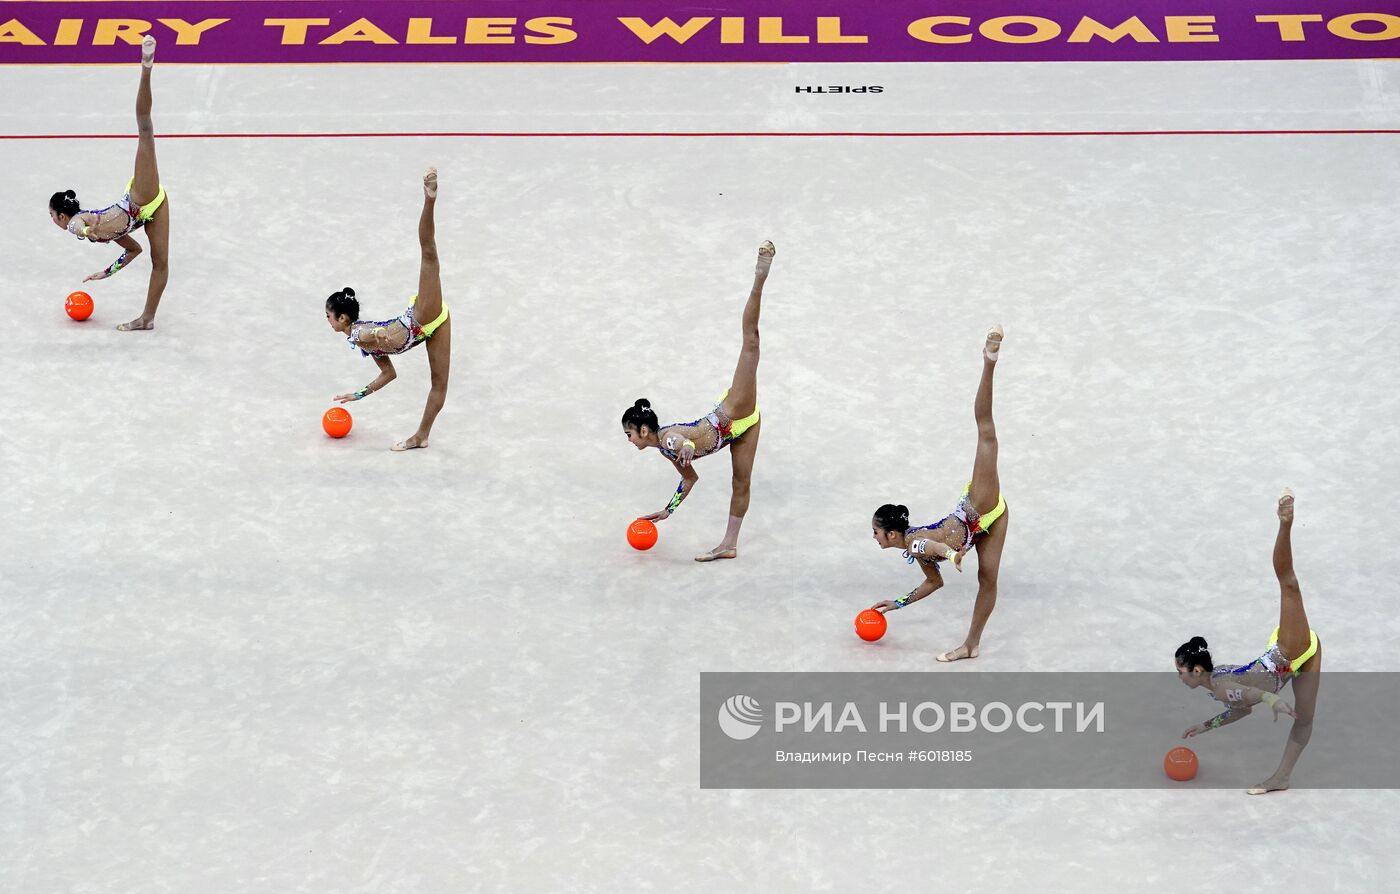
<point>639,414</point>
<point>893,518</point>
<point>343,303</point>
<point>1194,654</point>
<point>65,202</point>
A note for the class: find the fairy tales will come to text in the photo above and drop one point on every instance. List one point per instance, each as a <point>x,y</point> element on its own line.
<point>556,30</point>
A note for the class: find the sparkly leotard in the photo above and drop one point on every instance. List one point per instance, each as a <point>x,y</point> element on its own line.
<point>106,224</point>
<point>1270,669</point>
<point>970,528</point>
<point>395,336</point>
<point>116,220</point>
<point>722,427</point>
<point>398,335</point>
<point>717,427</point>
<point>1269,672</point>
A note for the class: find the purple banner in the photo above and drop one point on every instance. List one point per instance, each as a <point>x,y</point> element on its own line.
<point>224,31</point>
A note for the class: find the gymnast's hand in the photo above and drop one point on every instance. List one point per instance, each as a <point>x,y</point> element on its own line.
<point>658,516</point>
<point>886,606</point>
<point>685,454</point>
<point>1194,730</point>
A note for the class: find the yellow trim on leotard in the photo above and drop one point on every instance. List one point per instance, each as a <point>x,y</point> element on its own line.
<point>743,425</point>
<point>739,426</point>
<point>985,521</point>
<point>148,210</point>
<point>432,327</point>
<point>1297,663</point>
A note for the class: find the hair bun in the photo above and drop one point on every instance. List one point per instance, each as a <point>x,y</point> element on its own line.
<point>903,510</point>
<point>1199,641</point>
<point>642,404</point>
<point>349,292</point>
<point>69,194</point>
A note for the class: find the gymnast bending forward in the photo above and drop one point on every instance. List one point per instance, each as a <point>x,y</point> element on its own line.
<point>1294,656</point>
<point>425,321</point>
<point>978,522</point>
<point>733,423</point>
<point>144,206</point>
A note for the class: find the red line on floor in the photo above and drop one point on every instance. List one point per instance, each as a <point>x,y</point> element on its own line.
<point>542,134</point>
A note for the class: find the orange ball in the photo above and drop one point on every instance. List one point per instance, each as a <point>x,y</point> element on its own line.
<point>79,305</point>
<point>870,625</point>
<point>641,534</point>
<point>337,422</point>
<point>1181,764</point>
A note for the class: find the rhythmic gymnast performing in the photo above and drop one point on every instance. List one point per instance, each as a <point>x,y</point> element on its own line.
<point>425,320</point>
<point>733,422</point>
<point>979,521</point>
<point>144,206</point>
<point>1294,655</point>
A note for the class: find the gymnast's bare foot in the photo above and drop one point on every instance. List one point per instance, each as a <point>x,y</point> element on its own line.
<point>137,325</point>
<point>1285,506</point>
<point>413,443</point>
